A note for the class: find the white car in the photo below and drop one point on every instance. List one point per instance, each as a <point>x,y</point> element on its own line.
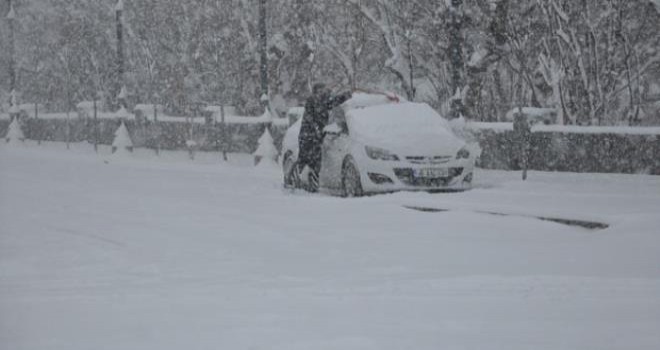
<point>375,145</point>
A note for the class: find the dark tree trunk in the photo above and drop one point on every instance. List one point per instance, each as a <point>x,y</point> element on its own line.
<point>477,72</point>
<point>263,48</point>
<point>120,54</point>
<point>12,53</point>
<point>456,58</point>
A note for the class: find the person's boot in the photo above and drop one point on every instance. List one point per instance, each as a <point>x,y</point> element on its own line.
<point>292,178</point>
<point>313,182</point>
<point>309,179</point>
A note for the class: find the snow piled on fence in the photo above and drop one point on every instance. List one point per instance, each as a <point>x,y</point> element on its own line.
<point>147,111</point>
<point>570,129</point>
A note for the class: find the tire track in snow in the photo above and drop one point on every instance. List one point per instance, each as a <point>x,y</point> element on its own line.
<point>75,233</point>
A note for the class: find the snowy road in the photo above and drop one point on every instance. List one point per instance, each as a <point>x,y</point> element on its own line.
<point>172,254</point>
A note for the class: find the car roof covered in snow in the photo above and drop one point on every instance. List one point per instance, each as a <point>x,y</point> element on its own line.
<point>364,100</point>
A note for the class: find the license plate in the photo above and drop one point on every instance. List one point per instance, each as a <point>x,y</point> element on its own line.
<point>432,172</point>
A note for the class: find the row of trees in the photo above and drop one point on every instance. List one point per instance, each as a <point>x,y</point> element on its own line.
<point>594,61</point>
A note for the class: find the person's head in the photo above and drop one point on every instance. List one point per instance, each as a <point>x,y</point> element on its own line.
<point>320,90</point>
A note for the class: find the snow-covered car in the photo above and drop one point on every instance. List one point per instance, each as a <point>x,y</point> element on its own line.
<point>375,144</point>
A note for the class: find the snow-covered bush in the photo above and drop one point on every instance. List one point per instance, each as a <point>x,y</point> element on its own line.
<point>266,152</point>
<point>15,133</point>
<point>122,141</point>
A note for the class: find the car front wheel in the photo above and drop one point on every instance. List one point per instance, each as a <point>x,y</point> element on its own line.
<point>351,185</point>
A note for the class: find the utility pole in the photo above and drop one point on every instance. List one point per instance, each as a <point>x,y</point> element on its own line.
<point>263,50</point>
<point>11,19</point>
<point>96,123</point>
<point>119,13</point>
<point>456,57</point>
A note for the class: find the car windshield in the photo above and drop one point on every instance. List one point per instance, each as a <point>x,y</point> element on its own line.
<point>403,119</point>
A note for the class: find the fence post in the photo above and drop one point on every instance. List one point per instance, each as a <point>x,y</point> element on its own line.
<point>522,133</point>
<point>36,119</point>
<point>156,128</point>
<point>190,142</point>
<point>96,127</point>
<point>223,127</point>
<point>68,131</point>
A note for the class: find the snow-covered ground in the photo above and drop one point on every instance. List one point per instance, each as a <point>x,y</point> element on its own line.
<point>168,253</point>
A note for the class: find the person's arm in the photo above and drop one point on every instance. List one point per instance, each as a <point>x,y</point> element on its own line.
<point>339,99</point>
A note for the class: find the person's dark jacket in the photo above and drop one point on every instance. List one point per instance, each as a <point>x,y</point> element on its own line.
<point>315,119</point>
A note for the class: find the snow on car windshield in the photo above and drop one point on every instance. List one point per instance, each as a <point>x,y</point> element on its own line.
<point>363,100</point>
<point>397,120</point>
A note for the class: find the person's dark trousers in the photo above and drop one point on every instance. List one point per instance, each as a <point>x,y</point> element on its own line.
<point>311,158</point>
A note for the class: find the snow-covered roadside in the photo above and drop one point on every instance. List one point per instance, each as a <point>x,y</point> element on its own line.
<point>167,253</point>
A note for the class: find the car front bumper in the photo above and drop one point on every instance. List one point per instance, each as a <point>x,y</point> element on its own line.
<point>382,177</point>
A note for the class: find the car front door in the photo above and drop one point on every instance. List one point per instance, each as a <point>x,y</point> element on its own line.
<point>335,148</point>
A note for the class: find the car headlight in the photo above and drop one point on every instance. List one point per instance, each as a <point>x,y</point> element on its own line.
<point>463,154</point>
<point>380,154</point>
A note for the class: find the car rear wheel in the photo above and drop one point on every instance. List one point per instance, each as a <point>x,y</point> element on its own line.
<point>351,184</point>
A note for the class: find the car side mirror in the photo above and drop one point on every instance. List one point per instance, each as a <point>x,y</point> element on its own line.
<point>333,130</point>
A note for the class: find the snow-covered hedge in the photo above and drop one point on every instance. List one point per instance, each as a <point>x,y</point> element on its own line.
<point>162,134</point>
<point>570,129</point>
<point>574,149</point>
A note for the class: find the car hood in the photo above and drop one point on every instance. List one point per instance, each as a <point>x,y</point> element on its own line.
<point>407,129</point>
<point>417,144</point>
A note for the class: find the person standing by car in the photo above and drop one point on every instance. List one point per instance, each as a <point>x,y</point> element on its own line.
<point>310,139</point>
